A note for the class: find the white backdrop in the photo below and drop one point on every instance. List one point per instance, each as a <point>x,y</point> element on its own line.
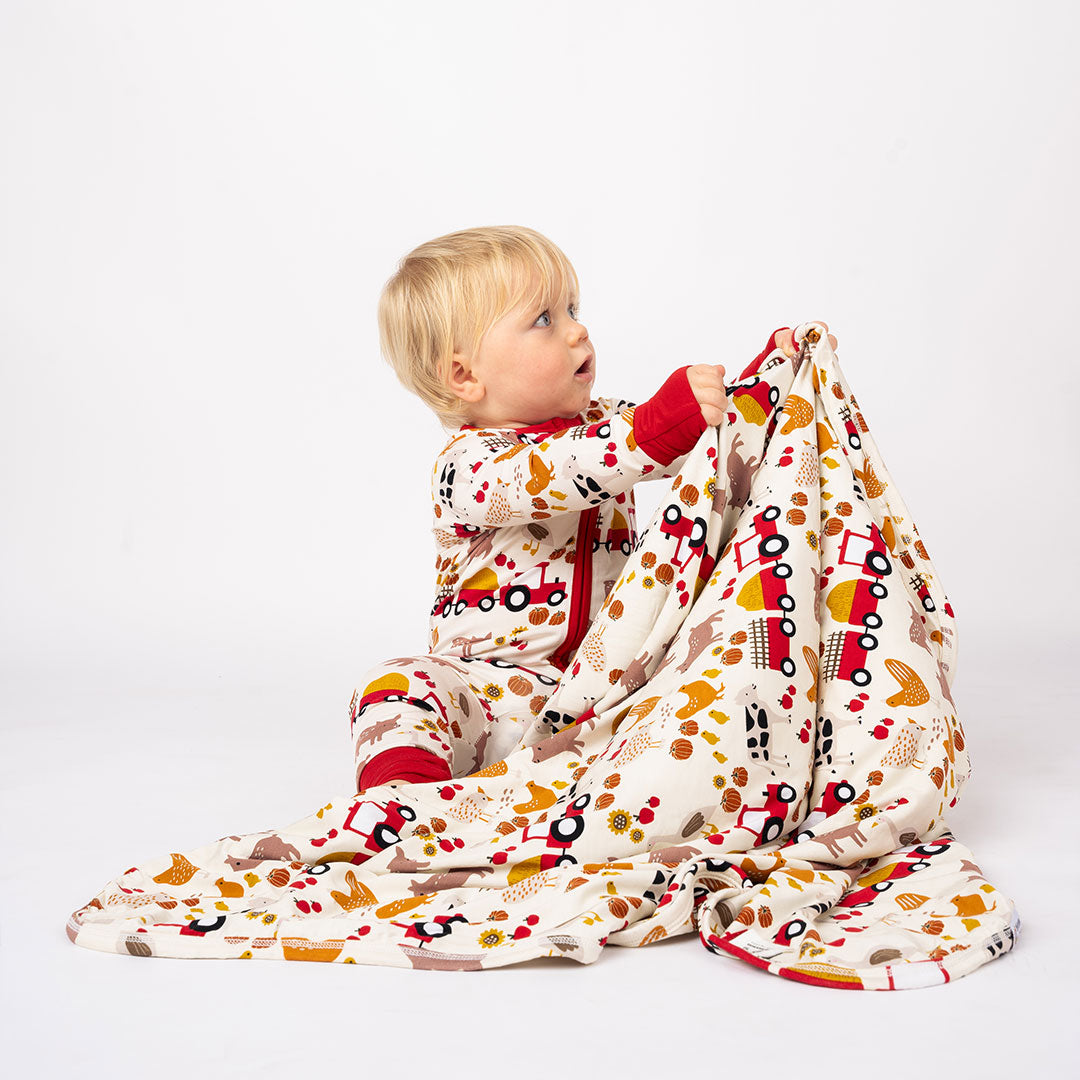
<point>215,508</point>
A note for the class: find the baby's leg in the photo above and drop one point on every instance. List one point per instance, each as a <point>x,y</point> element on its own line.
<point>428,718</point>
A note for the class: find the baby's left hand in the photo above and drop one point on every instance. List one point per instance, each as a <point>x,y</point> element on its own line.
<point>786,339</point>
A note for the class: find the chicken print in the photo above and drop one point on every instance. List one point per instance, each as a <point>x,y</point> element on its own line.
<point>180,873</point>
<point>904,746</point>
<point>912,689</point>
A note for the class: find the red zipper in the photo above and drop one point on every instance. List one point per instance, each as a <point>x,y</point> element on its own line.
<point>578,619</point>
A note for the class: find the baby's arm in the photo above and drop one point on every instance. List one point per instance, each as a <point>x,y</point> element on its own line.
<point>776,339</point>
<point>781,339</point>
<point>496,477</point>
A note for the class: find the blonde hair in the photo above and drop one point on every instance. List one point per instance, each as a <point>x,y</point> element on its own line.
<point>447,293</point>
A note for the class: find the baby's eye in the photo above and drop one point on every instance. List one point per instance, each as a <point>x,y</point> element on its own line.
<point>574,309</point>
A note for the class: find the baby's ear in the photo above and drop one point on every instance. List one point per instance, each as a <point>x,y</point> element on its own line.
<point>461,381</point>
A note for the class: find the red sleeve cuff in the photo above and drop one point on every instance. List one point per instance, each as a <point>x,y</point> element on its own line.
<point>670,423</point>
<point>412,764</point>
<point>754,364</point>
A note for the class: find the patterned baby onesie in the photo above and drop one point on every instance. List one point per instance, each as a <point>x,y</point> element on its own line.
<point>532,527</point>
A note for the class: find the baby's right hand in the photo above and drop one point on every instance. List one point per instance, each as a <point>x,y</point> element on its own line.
<point>786,339</point>
<point>707,382</point>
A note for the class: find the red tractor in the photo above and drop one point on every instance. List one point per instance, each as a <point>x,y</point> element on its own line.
<point>766,822</point>
<point>923,592</point>
<point>877,881</point>
<point>476,591</point>
<point>482,591</point>
<point>885,877</point>
<point>764,394</point>
<point>767,590</point>
<point>559,833</point>
<point>393,687</point>
<point>837,794</point>
<point>692,530</point>
<point>618,536</point>
<point>377,823</point>
<point>517,595</point>
<point>871,553</point>
<point>850,427</point>
<point>843,656</point>
<point>765,543</point>
<point>856,602</point>
<point>770,643</point>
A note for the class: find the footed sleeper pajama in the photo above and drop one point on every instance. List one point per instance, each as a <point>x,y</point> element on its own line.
<point>532,528</point>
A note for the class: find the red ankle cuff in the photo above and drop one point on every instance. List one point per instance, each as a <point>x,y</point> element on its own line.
<point>411,764</point>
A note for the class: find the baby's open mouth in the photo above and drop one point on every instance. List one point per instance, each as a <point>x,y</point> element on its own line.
<point>586,368</point>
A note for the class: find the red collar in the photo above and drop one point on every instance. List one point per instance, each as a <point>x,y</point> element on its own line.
<point>545,427</point>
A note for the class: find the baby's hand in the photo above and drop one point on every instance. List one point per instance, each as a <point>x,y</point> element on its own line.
<point>786,339</point>
<point>707,382</point>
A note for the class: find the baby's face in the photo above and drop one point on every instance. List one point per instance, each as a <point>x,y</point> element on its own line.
<point>532,365</point>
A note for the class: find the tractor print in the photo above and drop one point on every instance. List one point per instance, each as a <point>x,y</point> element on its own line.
<point>767,589</point>
<point>378,824</point>
<point>770,644</point>
<point>755,400</point>
<point>692,530</point>
<point>765,823</point>
<point>919,584</point>
<point>843,656</point>
<point>855,602</point>
<point>392,687</point>
<point>837,795</point>
<point>885,877</point>
<point>765,544</point>
<point>619,536</point>
<point>869,551</point>
<point>482,591</point>
<point>517,595</point>
<point>559,834</point>
<point>850,427</point>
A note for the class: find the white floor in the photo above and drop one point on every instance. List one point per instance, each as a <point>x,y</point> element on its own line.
<point>95,780</point>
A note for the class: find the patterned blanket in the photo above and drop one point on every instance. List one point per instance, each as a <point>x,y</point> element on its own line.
<point>756,741</point>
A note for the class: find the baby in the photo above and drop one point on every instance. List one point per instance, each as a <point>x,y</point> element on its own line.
<point>533,494</point>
